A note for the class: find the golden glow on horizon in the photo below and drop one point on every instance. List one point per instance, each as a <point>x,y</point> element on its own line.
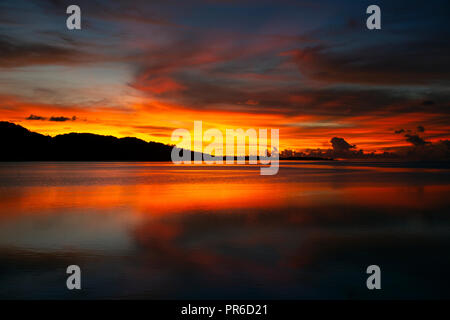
<point>155,121</point>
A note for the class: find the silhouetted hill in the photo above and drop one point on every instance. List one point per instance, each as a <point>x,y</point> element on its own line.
<point>20,144</point>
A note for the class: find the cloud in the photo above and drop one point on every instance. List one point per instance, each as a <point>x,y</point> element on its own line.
<point>200,86</point>
<point>341,84</point>
<point>415,140</point>
<point>158,85</point>
<point>122,11</point>
<point>340,145</point>
<point>413,137</point>
<point>251,102</point>
<point>53,118</point>
<point>376,64</point>
<point>14,53</point>
<point>62,119</point>
<point>420,150</point>
<point>34,117</point>
<point>438,151</point>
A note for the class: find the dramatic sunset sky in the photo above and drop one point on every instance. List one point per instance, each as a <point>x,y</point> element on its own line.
<point>310,68</point>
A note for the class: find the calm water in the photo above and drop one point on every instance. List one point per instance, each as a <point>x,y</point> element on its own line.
<point>156,230</point>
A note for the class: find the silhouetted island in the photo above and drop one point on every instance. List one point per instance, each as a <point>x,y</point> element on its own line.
<point>20,144</point>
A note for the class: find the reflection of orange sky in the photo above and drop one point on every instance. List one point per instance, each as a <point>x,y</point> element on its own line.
<point>155,121</point>
<point>152,200</point>
<point>159,200</point>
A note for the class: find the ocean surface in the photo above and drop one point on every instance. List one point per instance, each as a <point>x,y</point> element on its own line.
<point>165,231</point>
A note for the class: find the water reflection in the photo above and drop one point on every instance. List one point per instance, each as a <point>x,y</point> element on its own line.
<point>156,230</point>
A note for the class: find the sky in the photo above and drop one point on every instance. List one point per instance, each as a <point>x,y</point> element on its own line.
<point>308,68</point>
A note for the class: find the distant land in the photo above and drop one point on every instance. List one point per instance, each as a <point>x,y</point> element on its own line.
<point>20,144</point>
